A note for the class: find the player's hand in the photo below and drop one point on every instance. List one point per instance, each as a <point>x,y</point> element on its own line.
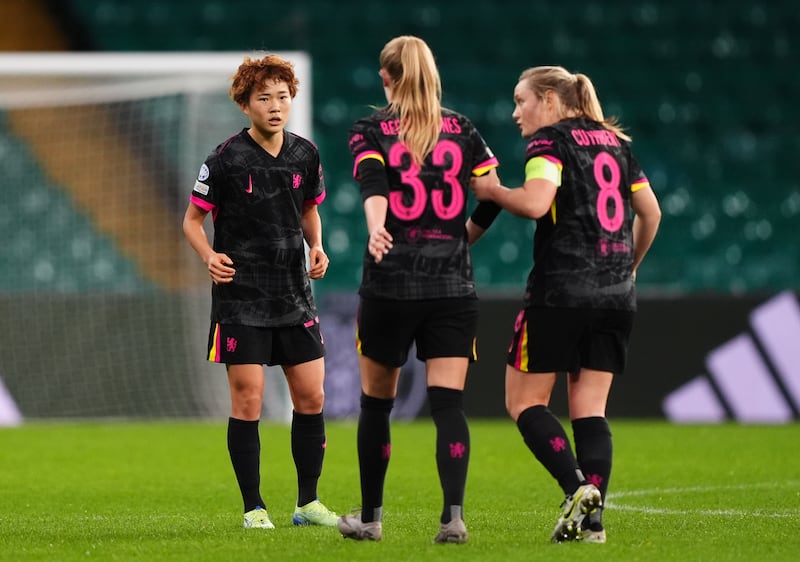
<point>220,268</point>
<point>484,186</point>
<point>319,262</point>
<point>380,242</point>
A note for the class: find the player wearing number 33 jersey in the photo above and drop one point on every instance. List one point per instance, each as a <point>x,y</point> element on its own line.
<point>430,257</point>
<point>583,247</point>
<point>414,161</point>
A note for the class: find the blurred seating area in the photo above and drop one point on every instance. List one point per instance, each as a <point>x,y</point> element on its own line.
<point>48,244</point>
<point>708,94</point>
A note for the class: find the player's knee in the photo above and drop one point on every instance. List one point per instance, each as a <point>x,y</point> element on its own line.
<point>246,407</point>
<point>311,403</point>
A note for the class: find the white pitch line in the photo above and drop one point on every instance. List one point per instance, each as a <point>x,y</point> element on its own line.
<point>694,489</point>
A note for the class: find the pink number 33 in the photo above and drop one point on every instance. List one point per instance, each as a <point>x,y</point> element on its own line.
<point>410,177</point>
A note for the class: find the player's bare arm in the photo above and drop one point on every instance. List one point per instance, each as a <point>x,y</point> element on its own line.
<point>380,240</point>
<point>645,223</point>
<point>220,266</point>
<point>312,232</point>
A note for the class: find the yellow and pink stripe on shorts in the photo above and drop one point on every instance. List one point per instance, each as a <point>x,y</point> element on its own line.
<point>521,357</point>
<point>214,352</point>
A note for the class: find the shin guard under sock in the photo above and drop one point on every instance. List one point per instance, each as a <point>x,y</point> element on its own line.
<point>374,450</point>
<point>244,447</point>
<point>547,440</point>
<point>308,452</point>
<point>594,450</point>
<point>452,446</point>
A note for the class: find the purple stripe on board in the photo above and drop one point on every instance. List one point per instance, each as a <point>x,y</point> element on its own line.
<point>746,384</point>
<point>777,326</point>
<point>9,412</point>
<point>694,402</point>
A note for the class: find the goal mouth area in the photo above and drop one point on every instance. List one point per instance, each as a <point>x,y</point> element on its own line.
<point>106,306</point>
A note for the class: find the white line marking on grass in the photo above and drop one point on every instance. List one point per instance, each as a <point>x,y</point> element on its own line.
<point>694,489</point>
<point>737,512</point>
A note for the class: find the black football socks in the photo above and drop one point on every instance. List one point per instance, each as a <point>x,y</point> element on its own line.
<point>244,448</point>
<point>594,451</point>
<point>374,450</point>
<point>452,447</point>
<point>547,440</point>
<point>308,452</point>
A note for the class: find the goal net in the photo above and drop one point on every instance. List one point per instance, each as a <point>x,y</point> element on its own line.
<point>105,307</point>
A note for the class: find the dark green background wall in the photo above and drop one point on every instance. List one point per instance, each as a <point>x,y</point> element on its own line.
<point>707,89</point>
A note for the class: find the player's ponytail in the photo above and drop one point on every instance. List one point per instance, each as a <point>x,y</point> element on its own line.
<point>416,93</point>
<point>586,100</point>
<point>589,105</point>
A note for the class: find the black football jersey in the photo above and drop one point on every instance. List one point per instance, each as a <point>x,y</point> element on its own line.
<point>256,201</point>
<point>583,248</point>
<point>426,215</point>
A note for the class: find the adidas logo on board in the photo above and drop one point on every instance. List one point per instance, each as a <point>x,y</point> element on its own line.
<point>753,378</point>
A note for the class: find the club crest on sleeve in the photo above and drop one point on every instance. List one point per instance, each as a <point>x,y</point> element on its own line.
<point>203,175</point>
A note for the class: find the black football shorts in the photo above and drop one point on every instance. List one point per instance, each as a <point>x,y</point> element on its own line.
<point>242,345</point>
<point>386,329</point>
<point>549,339</point>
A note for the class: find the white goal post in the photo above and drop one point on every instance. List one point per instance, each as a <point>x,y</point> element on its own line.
<point>156,73</point>
<point>105,305</point>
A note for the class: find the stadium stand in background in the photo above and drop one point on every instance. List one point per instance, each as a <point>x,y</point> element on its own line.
<point>104,315</point>
<point>708,95</point>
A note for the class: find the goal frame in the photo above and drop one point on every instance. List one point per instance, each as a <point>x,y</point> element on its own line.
<point>200,70</point>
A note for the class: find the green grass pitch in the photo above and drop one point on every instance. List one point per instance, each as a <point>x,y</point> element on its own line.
<point>166,491</point>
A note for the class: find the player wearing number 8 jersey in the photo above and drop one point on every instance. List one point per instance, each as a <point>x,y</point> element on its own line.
<point>596,217</point>
<point>413,161</point>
